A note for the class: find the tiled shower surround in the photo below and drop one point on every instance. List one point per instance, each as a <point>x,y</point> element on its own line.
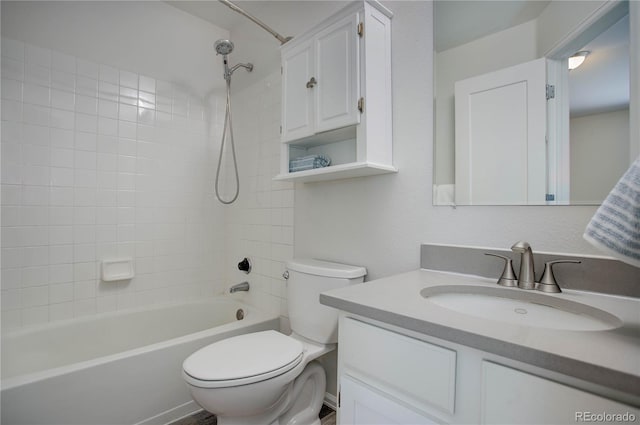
<point>102,163</point>
<point>260,224</point>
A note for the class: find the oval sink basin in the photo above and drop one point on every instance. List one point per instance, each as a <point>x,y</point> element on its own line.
<point>520,307</point>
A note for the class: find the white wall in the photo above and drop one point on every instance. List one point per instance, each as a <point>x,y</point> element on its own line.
<point>599,154</point>
<point>506,48</point>
<point>379,222</point>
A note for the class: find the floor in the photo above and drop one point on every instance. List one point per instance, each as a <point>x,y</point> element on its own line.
<point>327,417</point>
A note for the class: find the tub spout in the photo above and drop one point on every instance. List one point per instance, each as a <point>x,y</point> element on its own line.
<point>244,286</point>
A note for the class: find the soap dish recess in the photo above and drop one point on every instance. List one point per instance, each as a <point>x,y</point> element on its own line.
<point>117,269</point>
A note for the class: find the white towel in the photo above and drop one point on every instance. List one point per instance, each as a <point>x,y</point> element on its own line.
<point>615,227</point>
<point>443,194</point>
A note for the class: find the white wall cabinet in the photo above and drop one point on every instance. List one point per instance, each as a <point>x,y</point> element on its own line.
<point>389,377</point>
<point>321,81</point>
<point>336,95</point>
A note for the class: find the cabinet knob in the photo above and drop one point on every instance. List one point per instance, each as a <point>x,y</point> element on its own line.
<point>312,82</point>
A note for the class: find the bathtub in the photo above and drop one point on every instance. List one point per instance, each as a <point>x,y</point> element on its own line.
<point>115,368</point>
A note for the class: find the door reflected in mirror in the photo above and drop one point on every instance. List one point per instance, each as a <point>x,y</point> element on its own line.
<point>499,140</point>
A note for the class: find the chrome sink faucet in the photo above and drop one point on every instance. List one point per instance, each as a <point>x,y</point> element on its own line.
<point>526,277</point>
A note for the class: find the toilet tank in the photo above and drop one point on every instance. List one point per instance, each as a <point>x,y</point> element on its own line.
<point>307,279</point>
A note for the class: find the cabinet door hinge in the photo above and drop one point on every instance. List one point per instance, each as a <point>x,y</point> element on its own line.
<point>551,91</point>
<point>361,104</point>
<point>361,29</point>
<point>280,129</point>
<point>338,398</point>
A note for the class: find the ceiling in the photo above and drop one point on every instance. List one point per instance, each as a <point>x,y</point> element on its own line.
<point>458,22</point>
<point>252,43</point>
<point>288,18</point>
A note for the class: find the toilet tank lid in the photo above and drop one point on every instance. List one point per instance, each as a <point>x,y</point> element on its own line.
<point>325,268</point>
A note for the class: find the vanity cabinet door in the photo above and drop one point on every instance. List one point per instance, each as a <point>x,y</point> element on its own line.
<point>362,405</point>
<point>510,396</point>
<point>414,371</point>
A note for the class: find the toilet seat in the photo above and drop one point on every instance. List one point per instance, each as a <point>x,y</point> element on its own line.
<point>243,359</point>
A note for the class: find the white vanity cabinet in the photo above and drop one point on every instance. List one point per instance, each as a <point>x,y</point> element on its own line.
<point>363,404</point>
<point>336,95</point>
<point>392,377</point>
<point>515,397</point>
<point>386,377</point>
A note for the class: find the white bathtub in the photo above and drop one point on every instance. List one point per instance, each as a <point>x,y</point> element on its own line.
<point>116,368</point>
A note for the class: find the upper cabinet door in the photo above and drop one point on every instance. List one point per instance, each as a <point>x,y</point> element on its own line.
<point>298,68</point>
<point>500,136</point>
<point>337,75</point>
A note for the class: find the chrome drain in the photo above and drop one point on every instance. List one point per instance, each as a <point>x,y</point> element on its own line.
<point>520,310</point>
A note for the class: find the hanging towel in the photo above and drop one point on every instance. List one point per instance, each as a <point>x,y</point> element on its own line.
<point>615,227</point>
<point>309,162</point>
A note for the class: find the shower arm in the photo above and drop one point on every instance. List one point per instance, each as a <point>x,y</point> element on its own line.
<point>235,8</point>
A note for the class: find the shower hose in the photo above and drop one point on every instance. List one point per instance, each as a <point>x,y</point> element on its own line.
<point>227,125</point>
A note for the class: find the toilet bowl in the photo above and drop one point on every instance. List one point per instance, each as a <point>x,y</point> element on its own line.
<point>264,374</point>
<point>268,377</point>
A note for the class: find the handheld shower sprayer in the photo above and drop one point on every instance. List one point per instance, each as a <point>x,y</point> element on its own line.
<point>224,47</point>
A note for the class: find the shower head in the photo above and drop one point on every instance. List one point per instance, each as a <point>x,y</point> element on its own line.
<point>223,47</point>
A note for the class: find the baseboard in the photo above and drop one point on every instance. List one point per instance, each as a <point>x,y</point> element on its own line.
<point>172,415</point>
<point>331,401</point>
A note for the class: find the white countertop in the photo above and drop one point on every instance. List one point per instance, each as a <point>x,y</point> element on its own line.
<point>610,357</point>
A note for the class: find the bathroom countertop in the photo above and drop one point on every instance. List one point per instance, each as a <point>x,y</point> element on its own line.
<point>610,357</point>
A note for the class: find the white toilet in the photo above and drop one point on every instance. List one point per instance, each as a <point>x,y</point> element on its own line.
<point>267,377</point>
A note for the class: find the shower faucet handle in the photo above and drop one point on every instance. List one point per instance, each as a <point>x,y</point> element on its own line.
<point>312,82</point>
<point>245,265</point>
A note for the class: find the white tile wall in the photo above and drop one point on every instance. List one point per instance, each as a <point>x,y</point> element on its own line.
<point>100,162</point>
<point>260,223</point>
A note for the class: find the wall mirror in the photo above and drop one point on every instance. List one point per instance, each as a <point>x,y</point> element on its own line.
<point>515,126</point>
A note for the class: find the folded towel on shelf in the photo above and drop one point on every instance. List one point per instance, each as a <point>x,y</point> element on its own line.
<point>308,162</point>
<point>615,227</point>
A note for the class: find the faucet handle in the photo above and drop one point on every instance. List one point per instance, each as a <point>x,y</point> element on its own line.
<point>508,276</point>
<point>548,281</point>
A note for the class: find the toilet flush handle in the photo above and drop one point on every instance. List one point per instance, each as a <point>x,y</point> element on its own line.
<point>286,274</point>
